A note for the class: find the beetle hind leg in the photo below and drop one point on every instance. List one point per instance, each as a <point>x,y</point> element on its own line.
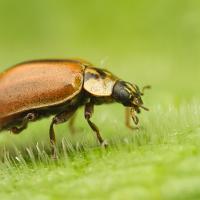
<point>58,119</point>
<point>24,124</point>
<point>89,108</point>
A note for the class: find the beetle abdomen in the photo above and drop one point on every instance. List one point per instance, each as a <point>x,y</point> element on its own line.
<point>39,84</point>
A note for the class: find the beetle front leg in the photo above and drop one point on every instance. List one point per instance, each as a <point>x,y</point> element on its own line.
<point>127,119</point>
<point>26,119</point>
<point>89,109</point>
<point>128,114</point>
<point>58,119</point>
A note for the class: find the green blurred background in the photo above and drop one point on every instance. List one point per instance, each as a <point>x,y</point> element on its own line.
<point>148,42</point>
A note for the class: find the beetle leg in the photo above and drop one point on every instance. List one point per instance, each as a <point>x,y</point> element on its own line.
<point>89,109</point>
<point>144,88</point>
<point>58,119</point>
<point>26,119</point>
<point>127,119</point>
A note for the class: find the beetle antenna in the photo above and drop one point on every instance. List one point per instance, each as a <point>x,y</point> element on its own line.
<point>144,108</point>
<point>144,88</point>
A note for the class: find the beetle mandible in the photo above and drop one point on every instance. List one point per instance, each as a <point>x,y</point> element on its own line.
<point>36,89</point>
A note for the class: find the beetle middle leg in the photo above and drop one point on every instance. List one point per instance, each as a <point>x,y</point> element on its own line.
<point>58,119</point>
<point>29,117</point>
<point>89,109</point>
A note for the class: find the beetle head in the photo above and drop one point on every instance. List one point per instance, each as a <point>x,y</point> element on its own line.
<point>128,94</point>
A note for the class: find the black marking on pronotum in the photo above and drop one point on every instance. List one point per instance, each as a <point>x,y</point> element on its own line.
<point>101,73</point>
<point>90,75</point>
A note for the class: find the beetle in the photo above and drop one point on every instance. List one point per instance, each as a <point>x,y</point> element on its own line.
<point>36,89</point>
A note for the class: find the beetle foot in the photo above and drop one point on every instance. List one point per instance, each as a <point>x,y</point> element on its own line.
<point>104,144</point>
<point>14,130</point>
<point>133,127</point>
